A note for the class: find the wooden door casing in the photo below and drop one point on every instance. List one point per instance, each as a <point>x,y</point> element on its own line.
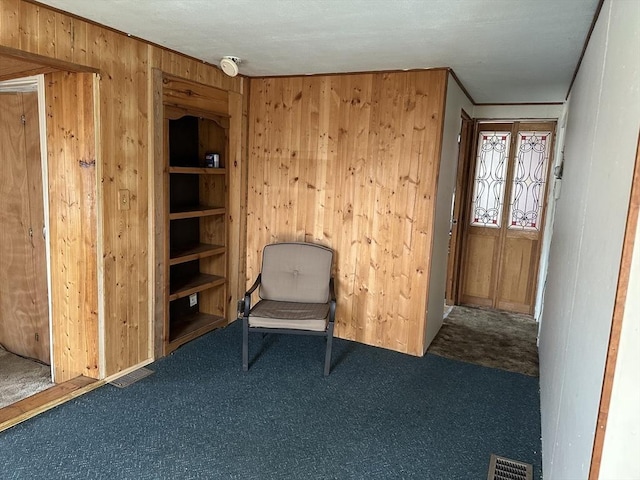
<point>499,267</point>
<point>24,311</point>
<point>459,208</point>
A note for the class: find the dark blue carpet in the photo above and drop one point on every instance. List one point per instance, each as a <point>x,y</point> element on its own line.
<point>380,414</point>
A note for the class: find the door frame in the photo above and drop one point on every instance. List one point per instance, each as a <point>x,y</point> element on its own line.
<point>35,83</point>
<point>465,147</point>
<point>42,123</point>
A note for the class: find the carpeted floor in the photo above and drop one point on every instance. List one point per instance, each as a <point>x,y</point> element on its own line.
<point>20,378</point>
<point>491,338</point>
<point>379,415</point>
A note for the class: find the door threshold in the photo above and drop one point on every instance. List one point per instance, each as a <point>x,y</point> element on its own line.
<point>47,399</point>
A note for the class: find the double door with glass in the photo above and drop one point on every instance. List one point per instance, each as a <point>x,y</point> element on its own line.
<point>505,214</point>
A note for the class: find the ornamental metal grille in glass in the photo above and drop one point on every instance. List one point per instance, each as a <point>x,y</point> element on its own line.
<point>489,182</point>
<point>529,180</point>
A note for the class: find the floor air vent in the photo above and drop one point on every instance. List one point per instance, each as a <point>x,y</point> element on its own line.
<point>501,468</point>
<point>131,378</point>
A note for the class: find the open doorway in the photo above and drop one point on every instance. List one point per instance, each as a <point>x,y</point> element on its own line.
<point>25,353</point>
<point>68,114</point>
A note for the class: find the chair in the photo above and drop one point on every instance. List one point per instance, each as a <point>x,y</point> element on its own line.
<point>296,295</point>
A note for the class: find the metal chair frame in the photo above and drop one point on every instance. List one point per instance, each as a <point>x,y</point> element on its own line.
<point>245,310</point>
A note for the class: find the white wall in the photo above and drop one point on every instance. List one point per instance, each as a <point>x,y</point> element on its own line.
<point>623,425</point>
<point>600,146</point>
<point>456,102</point>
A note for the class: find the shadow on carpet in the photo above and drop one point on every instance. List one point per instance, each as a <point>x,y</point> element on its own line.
<point>379,415</point>
<point>490,338</point>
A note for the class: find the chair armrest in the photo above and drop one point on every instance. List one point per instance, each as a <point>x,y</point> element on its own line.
<point>332,300</point>
<point>247,296</point>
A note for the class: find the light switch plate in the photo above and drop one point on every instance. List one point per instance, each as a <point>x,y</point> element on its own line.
<point>193,299</point>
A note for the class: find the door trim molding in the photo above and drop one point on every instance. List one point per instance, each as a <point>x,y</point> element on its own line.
<point>44,161</point>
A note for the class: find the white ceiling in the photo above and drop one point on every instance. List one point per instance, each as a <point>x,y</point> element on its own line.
<point>503,51</point>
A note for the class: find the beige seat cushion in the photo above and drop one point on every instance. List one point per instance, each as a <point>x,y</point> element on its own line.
<point>298,316</point>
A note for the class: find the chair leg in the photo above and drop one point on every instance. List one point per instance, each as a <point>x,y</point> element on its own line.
<point>327,357</point>
<point>245,344</point>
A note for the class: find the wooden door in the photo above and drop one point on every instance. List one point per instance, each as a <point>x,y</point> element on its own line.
<point>503,224</point>
<point>24,313</point>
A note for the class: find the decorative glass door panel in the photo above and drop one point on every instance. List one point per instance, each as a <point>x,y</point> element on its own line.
<point>529,180</point>
<point>501,249</point>
<point>489,180</point>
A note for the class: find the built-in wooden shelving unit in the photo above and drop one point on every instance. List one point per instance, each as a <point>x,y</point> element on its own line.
<point>196,259</point>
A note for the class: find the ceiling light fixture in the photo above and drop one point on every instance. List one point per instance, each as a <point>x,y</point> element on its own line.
<point>229,65</point>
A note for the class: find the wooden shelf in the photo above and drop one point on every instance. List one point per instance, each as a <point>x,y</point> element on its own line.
<point>198,170</point>
<point>191,326</point>
<point>195,284</point>
<point>202,250</point>
<point>196,211</point>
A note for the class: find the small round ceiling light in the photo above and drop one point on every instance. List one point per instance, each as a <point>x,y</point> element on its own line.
<point>229,65</point>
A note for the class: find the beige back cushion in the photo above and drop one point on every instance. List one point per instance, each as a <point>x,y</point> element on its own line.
<point>296,272</point>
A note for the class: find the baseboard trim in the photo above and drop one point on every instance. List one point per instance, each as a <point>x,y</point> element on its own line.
<point>29,407</point>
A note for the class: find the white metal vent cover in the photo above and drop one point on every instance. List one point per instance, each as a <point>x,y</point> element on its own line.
<point>501,468</point>
<point>131,378</point>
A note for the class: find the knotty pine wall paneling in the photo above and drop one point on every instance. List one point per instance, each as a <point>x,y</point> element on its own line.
<point>236,225</point>
<point>351,162</point>
<point>124,129</point>
<point>71,165</point>
<point>124,151</point>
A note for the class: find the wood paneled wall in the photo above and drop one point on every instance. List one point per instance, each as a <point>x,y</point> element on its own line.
<point>124,155</point>
<point>351,162</point>
<point>71,160</point>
